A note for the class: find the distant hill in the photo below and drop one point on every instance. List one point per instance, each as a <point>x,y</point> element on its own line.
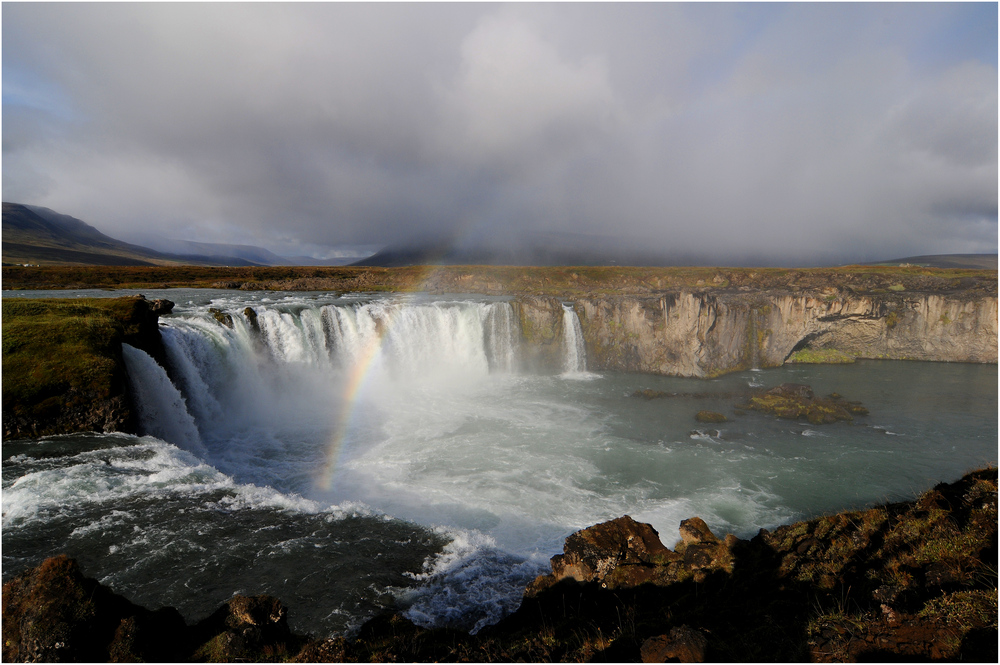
<point>40,236</point>
<point>533,249</point>
<point>257,255</point>
<point>972,261</point>
<point>251,253</point>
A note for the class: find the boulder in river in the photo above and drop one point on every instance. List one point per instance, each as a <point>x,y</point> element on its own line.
<point>796,401</point>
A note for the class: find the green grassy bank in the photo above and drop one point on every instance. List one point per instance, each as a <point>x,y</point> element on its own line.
<point>62,365</point>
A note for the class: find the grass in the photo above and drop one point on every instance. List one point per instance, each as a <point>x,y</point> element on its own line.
<point>60,355</point>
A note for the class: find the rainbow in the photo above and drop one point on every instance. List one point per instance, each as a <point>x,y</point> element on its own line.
<point>357,379</point>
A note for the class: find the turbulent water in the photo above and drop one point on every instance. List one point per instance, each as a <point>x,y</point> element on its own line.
<point>363,451</point>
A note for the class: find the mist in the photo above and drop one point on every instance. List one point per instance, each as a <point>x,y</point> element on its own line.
<point>726,133</point>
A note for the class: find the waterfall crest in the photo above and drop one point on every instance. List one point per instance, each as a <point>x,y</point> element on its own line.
<point>304,370</point>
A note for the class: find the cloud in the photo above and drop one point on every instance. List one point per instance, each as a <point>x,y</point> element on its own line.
<point>825,132</point>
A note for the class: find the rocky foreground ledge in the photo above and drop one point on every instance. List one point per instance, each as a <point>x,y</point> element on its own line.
<point>904,581</point>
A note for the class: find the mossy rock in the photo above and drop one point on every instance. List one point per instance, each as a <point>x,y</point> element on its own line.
<point>821,357</point>
<point>222,317</point>
<point>797,402</point>
<point>710,417</point>
<point>649,394</point>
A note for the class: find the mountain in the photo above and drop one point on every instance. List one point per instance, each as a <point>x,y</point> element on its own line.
<point>40,236</point>
<point>251,253</point>
<point>972,261</point>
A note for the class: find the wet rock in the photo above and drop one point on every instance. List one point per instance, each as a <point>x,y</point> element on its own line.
<point>709,417</point>
<point>221,317</point>
<point>796,401</point>
<point>683,644</point>
<point>251,317</point>
<point>799,390</point>
<point>649,394</point>
<point>161,306</point>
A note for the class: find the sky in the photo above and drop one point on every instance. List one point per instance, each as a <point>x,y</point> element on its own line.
<point>807,133</point>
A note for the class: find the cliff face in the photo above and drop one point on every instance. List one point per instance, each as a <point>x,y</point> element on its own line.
<point>704,334</point>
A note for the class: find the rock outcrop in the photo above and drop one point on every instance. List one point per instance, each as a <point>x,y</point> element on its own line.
<point>708,333</point>
<point>62,363</point>
<point>54,614</point>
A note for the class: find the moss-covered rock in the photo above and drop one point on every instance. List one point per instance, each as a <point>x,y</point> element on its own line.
<point>710,417</point>
<point>794,401</point>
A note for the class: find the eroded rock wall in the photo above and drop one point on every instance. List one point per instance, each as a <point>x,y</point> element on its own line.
<point>703,334</point>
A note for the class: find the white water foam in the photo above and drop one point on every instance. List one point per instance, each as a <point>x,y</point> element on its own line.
<point>162,409</point>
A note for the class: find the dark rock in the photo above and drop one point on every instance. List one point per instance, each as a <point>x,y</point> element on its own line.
<point>695,531</point>
<point>709,417</point>
<point>623,554</point>
<point>161,306</point>
<point>53,613</point>
<point>246,628</point>
<point>221,317</point>
<point>329,650</point>
<point>591,554</point>
<point>251,317</point>
<point>683,644</point>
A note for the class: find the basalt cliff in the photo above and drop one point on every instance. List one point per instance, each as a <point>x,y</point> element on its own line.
<point>708,333</point>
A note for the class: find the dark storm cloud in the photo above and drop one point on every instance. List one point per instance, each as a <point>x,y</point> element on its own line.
<point>821,131</point>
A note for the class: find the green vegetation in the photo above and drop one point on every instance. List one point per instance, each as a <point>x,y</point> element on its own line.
<point>821,357</point>
<point>61,357</point>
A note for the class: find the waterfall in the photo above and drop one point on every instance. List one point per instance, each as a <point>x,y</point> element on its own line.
<point>289,381</point>
<point>500,336</point>
<point>574,353</point>
<point>162,410</point>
